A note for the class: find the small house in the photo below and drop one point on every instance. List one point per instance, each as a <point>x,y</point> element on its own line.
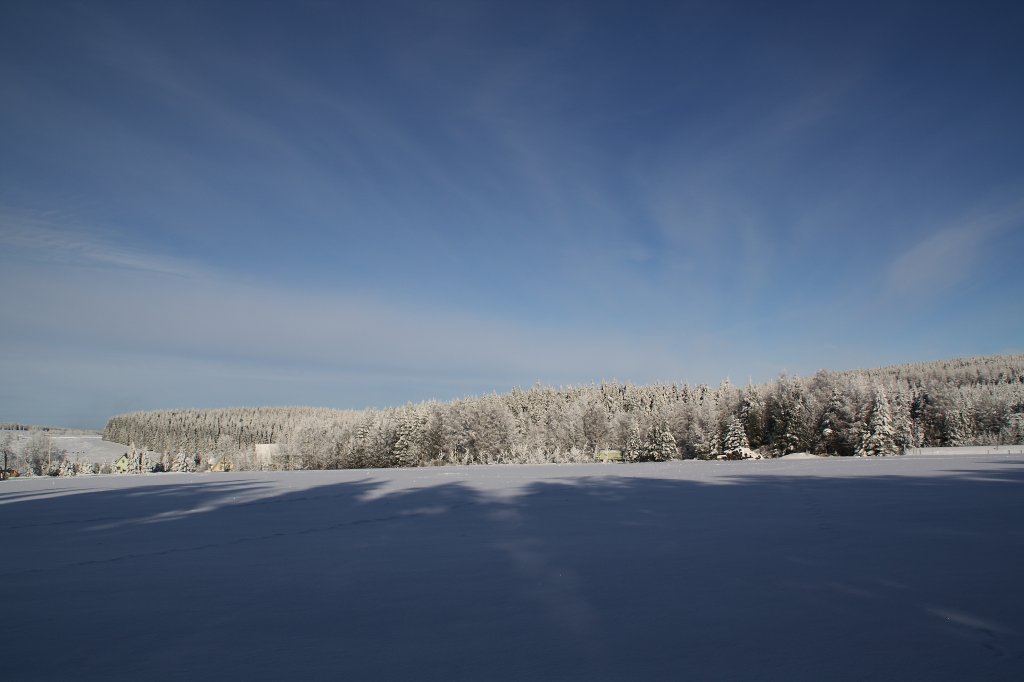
<point>122,464</point>
<point>221,465</point>
<point>136,462</point>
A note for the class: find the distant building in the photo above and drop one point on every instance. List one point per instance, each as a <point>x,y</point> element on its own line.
<point>136,462</point>
<point>122,464</point>
<point>221,465</point>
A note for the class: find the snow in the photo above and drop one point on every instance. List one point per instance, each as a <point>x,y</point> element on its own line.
<point>848,569</point>
<point>800,455</point>
<point>967,450</point>
<point>85,447</point>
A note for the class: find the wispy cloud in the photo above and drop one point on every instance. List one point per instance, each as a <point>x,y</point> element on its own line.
<point>181,310</point>
<point>951,254</point>
<point>50,237</point>
<point>712,191</point>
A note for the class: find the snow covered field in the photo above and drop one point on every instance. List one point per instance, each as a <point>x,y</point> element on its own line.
<point>80,446</point>
<point>817,569</point>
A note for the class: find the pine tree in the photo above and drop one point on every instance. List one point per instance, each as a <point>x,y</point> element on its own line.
<point>661,444</point>
<point>704,433</point>
<point>735,442</point>
<point>834,426</point>
<point>361,455</point>
<point>878,439</point>
<point>958,426</point>
<point>634,451</point>
<point>787,417</point>
<point>902,424</point>
<point>7,448</point>
<point>405,434</point>
<point>1014,433</point>
<point>751,414</point>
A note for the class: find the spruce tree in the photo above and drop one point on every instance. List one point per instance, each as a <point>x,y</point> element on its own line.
<point>878,439</point>
<point>661,444</point>
<point>752,415</point>
<point>787,417</point>
<point>735,442</point>
<point>958,427</point>
<point>834,426</point>
<point>634,451</point>
<point>406,431</point>
<point>902,424</point>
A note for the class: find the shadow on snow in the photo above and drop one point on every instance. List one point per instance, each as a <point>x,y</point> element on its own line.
<point>376,576</point>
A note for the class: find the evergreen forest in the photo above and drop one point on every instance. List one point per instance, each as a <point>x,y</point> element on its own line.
<point>876,412</point>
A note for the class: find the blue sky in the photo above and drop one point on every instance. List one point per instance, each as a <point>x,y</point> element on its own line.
<point>364,204</point>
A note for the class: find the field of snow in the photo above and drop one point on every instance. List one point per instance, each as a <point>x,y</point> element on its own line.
<point>967,450</point>
<point>802,569</point>
<point>80,446</point>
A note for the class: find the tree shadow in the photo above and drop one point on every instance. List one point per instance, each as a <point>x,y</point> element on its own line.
<point>639,572</point>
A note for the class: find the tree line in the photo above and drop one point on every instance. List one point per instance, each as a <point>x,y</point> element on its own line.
<point>966,401</point>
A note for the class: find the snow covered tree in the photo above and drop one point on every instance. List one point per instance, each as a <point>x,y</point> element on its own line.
<point>962,401</point>
<point>7,449</point>
<point>39,453</point>
<point>787,417</point>
<point>878,439</point>
<point>660,445</point>
<point>735,443</point>
<point>182,462</point>
<point>834,426</point>
<point>65,468</point>
<point>1014,433</point>
<point>408,426</point>
<point>634,450</point>
<point>490,428</point>
<point>958,426</point>
<point>929,416</point>
<point>902,423</point>
<point>311,446</point>
<point>595,424</point>
<point>751,414</point>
